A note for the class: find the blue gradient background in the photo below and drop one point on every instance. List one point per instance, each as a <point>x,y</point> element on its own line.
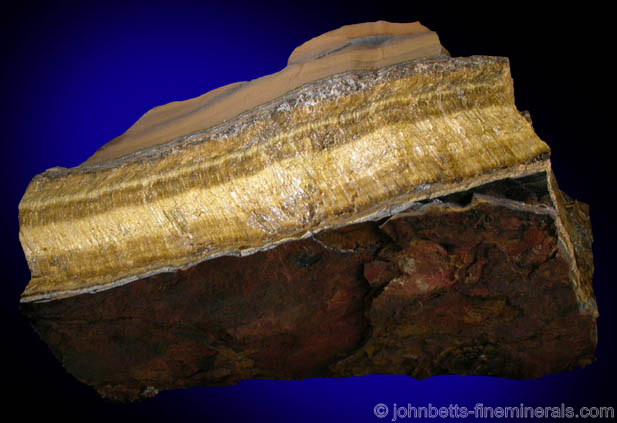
<point>75,75</point>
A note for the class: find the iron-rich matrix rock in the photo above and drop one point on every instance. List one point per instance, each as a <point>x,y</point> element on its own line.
<point>375,207</point>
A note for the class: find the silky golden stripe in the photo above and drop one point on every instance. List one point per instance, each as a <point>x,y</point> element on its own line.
<point>79,195</point>
<point>249,212</point>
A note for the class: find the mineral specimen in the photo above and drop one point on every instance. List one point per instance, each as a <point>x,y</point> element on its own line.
<point>375,207</point>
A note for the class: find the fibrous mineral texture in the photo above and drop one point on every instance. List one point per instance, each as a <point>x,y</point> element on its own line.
<point>375,207</point>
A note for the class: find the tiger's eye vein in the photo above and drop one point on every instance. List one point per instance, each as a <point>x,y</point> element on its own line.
<point>344,148</point>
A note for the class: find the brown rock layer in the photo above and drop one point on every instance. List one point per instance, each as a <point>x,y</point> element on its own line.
<point>472,283</point>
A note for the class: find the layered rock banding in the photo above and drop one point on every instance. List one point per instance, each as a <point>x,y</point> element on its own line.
<point>375,207</point>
